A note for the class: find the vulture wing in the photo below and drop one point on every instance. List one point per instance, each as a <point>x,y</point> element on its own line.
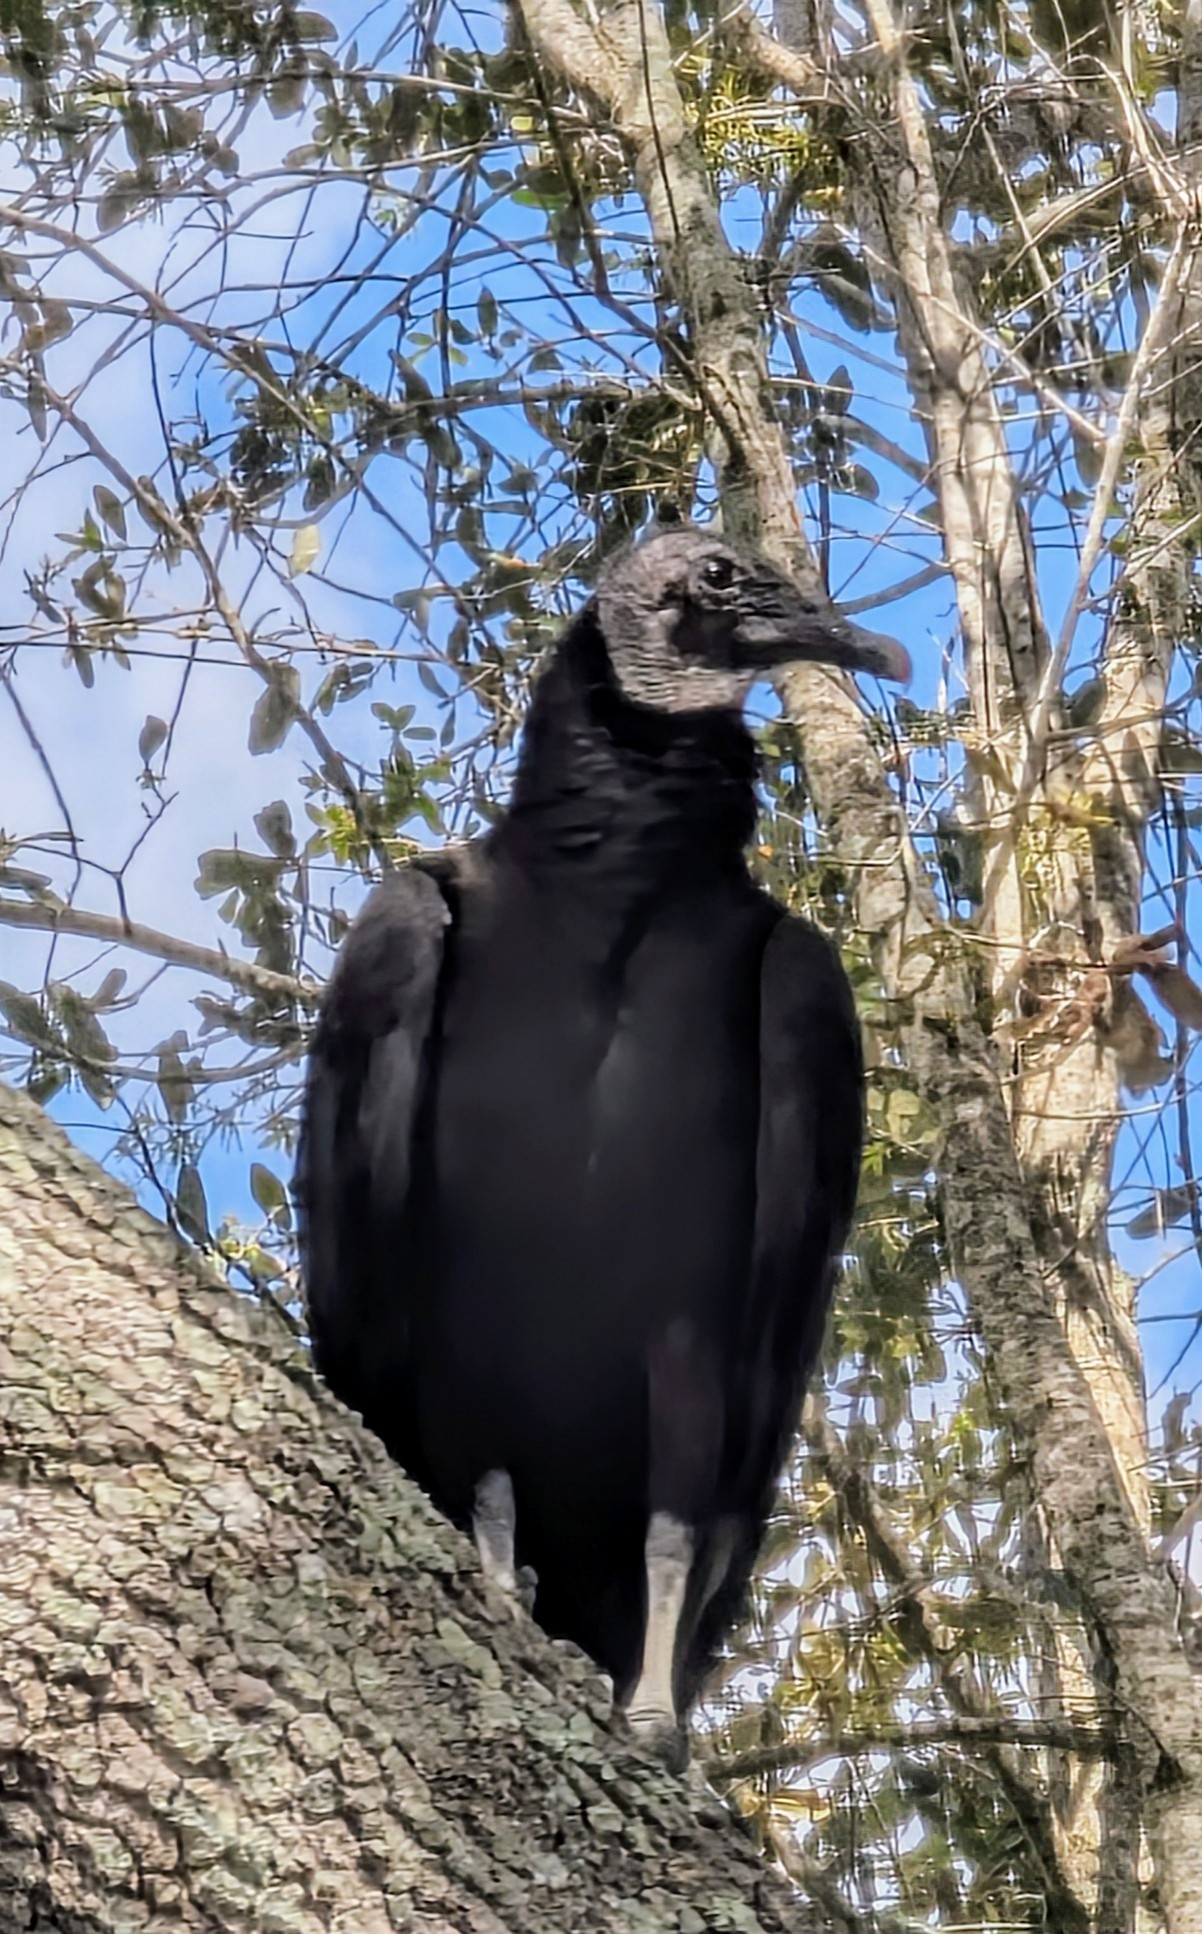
<point>355,1168</point>
<point>807,1169</point>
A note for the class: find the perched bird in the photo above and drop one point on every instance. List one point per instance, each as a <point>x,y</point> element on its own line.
<point>582,1130</point>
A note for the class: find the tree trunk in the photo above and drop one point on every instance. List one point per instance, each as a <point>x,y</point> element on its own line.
<point>250,1681</point>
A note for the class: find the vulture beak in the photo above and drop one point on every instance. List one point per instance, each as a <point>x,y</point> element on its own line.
<point>859,650</point>
<point>780,625</point>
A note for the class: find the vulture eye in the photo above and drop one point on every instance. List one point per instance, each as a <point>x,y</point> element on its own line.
<point>718,574</point>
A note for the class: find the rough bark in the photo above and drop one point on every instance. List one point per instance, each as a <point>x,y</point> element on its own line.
<point>250,1680</point>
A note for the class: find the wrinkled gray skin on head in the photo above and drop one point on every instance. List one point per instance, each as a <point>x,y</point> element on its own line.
<point>691,622</point>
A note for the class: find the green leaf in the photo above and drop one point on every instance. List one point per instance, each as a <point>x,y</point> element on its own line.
<point>57,321</point>
<point>175,1085</point>
<point>859,482</point>
<point>286,95</point>
<point>844,280</point>
<point>109,991</point>
<point>1166,1207</point>
<point>268,1190</point>
<point>313,26</point>
<point>101,590</point>
<point>1179,753</point>
<point>191,1208</point>
<point>1088,456</point>
<point>81,657</point>
<point>47,1082</point>
<point>417,389</point>
<point>26,1019</point>
<point>222,867</point>
<point>274,827</point>
<point>99,1086</point>
<point>839,391</point>
<point>319,487</point>
<point>119,203</point>
<point>35,403</point>
<point>151,737</point>
<point>111,509</point>
<point>469,532</point>
<point>22,879</point>
<point>397,717</point>
<point>486,312</point>
<point>306,546</point>
<point>84,1035</point>
<point>428,680</point>
<point>275,710</point>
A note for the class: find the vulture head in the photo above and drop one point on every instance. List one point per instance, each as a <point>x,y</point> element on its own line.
<point>691,622</point>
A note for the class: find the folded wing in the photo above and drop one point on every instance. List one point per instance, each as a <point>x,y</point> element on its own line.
<point>811,1129</point>
<point>368,1071</point>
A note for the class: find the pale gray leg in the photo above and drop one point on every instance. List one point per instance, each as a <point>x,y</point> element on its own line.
<point>493,1521</point>
<point>651,1708</point>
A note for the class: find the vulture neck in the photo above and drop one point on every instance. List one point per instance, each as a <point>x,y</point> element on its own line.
<point>607,786</point>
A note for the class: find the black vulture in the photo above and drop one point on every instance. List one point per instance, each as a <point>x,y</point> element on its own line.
<point>582,1130</point>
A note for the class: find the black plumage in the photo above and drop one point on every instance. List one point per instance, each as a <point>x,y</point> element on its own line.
<point>582,1130</point>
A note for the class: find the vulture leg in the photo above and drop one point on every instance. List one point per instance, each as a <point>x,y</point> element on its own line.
<point>493,1522</point>
<point>685,1393</point>
<point>651,1709</point>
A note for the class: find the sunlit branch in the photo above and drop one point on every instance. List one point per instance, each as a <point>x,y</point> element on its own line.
<point>111,930</point>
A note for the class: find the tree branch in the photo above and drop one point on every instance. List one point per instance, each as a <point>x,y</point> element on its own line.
<point>37,917</point>
<point>1005,645</point>
<point>251,1678</point>
<point>964,1731</point>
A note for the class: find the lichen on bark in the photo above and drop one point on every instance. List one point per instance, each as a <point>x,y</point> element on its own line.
<point>250,1680</point>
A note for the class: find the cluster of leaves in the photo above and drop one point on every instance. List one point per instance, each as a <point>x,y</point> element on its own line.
<point>64,1032</point>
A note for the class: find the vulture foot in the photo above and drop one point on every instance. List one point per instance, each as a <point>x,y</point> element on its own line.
<point>651,1712</point>
<point>509,1590</point>
<point>662,1734</point>
<point>512,1596</point>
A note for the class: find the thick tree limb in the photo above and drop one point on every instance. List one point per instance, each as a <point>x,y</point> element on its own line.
<point>250,1678</point>
<point>985,542</point>
<point>37,917</point>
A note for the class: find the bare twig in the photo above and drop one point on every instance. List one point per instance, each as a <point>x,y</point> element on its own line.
<point>965,1731</point>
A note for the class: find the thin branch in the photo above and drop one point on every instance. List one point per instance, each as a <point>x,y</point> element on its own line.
<point>36,918</point>
<point>1154,340</point>
<point>966,1730</point>
<point>1177,1533</point>
<point>39,751</point>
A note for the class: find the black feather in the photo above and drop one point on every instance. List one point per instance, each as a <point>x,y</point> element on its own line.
<point>582,1134</point>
